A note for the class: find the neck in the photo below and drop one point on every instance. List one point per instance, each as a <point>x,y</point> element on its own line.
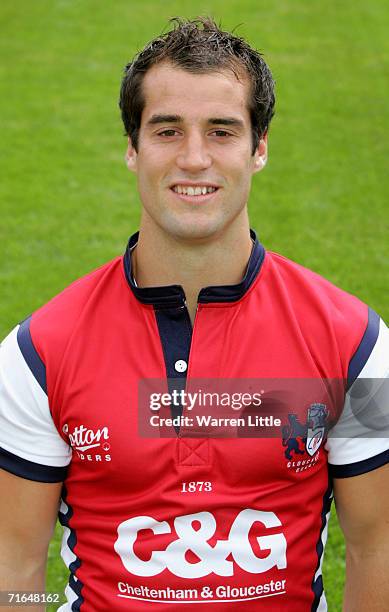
<point>160,259</point>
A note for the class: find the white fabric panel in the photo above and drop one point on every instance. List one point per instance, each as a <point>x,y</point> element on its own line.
<point>68,556</point>
<point>71,597</point>
<point>26,425</point>
<point>323,602</point>
<point>66,553</point>
<point>363,428</point>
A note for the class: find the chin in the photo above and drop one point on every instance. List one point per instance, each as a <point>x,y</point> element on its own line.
<point>194,230</point>
<point>194,235</point>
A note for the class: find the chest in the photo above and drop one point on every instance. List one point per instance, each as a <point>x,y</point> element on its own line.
<point>103,409</point>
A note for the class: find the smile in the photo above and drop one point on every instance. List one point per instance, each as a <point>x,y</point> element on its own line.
<point>193,190</point>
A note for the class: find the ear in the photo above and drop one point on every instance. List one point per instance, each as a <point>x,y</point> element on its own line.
<point>131,157</point>
<point>260,155</point>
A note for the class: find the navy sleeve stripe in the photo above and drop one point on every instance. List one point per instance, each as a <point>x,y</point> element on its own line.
<point>359,467</point>
<point>365,348</point>
<point>29,469</point>
<point>30,354</point>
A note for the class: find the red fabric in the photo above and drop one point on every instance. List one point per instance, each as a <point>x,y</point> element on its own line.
<point>98,341</point>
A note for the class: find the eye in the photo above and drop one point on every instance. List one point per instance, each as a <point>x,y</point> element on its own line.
<point>221,133</point>
<point>168,132</point>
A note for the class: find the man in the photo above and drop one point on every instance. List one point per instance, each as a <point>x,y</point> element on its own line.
<point>196,518</point>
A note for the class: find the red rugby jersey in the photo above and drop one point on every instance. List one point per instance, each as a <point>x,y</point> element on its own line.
<point>211,522</point>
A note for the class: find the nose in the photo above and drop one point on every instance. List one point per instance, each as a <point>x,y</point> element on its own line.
<point>193,154</point>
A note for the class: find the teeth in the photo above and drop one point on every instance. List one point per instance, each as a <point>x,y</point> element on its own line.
<point>193,191</point>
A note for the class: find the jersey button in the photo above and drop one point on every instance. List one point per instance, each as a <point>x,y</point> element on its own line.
<point>180,365</point>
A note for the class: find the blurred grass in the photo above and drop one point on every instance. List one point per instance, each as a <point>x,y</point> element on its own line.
<point>68,204</point>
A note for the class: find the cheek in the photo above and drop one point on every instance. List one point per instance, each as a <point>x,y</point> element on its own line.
<point>237,164</point>
<point>147,178</point>
<point>149,163</point>
<point>240,174</point>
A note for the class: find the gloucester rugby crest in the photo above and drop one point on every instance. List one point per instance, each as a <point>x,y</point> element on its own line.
<point>316,427</point>
<point>299,438</point>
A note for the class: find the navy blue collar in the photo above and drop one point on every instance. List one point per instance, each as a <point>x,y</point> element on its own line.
<point>171,296</point>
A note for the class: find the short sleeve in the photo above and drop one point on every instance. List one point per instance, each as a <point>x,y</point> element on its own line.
<point>30,445</point>
<point>359,442</point>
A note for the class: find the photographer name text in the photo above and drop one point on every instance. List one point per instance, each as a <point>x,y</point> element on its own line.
<point>211,421</point>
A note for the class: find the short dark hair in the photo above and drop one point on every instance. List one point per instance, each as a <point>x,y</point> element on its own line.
<point>199,46</point>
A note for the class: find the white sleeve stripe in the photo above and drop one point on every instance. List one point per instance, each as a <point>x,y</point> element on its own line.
<point>27,428</point>
<point>365,348</point>
<point>30,353</point>
<point>30,470</point>
<point>360,438</point>
<point>359,467</point>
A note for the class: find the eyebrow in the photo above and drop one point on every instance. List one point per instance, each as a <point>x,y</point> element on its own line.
<point>156,119</point>
<point>226,121</point>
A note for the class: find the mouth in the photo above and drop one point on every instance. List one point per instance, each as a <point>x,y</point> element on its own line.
<point>198,192</point>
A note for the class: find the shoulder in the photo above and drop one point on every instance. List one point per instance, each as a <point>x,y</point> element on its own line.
<point>311,295</point>
<point>68,304</point>
<point>307,288</point>
<point>44,335</point>
<point>65,308</point>
<point>328,317</point>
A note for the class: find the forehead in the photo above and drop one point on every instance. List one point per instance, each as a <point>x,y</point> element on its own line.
<point>168,89</point>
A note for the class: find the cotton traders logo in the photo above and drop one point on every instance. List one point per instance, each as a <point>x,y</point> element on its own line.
<point>83,440</point>
<point>300,439</point>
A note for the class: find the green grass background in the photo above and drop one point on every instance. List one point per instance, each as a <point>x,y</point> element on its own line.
<point>68,203</point>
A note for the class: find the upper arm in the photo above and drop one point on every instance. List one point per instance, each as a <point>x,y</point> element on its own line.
<point>33,456</point>
<point>358,461</point>
<point>362,505</point>
<point>28,512</point>
<point>359,444</point>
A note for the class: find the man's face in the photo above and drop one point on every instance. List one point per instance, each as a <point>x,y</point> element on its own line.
<point>194,161</point>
